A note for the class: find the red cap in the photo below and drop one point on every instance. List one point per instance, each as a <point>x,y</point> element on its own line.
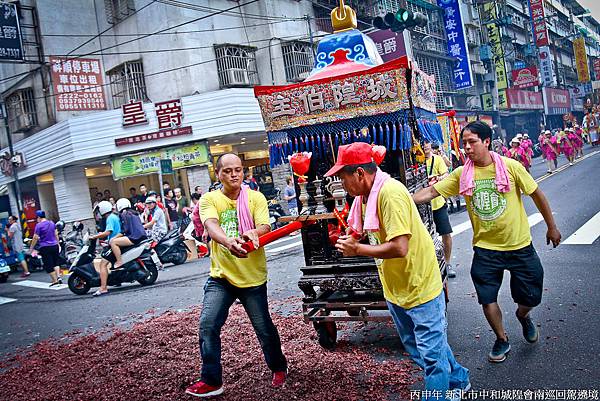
<point>355,153</point>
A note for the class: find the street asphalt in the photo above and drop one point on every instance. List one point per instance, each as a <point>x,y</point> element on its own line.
<point>565,358</point>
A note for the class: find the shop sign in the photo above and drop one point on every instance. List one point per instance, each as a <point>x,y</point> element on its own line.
<point>525,77</point>
<point>150,162</point>
<point>540,32</point>
<point>524,100</point>
<point>581,90</point>
<point>166,166</point>
<point>495,38</point>
<point>502,99</point>
<point>169,114</point>
<point>457,44</point>
<point>488,101</point>
<point>556,101</point>
<point>381,89</point>
<point>581,61</point>
<point>11,47</point>
<point>77,83</point>
<point>597,68</point>
<point>577,104</point>
<point>546,66</point>
<point>134,114</point>
<point>153,136</point>
<point>390,45</point>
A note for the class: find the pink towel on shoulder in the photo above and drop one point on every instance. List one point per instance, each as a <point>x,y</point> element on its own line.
<point>467,178</point>
<point>371,222</point>
<point>245,220</point>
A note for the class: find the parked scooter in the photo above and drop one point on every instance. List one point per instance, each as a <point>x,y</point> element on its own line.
<point>71,243</point>
<point>4,271</point>
<point>140,263</point>
<point>171,248</point>
<point>275,211</point>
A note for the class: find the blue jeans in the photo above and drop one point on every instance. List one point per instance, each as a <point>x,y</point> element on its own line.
<point>219,295</point>
<point>422,330</point>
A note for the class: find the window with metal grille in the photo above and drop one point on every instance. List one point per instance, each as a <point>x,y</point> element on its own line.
<point>442,71</point>
<point>118,10</point>
<point>298,60</point>
<point>20,106</point>
<point>127,83</point>
<point>236,65</point>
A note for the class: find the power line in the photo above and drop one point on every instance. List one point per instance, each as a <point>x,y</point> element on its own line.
<point>140,37</point>
<point>190,6</point>
<point>173,69</point>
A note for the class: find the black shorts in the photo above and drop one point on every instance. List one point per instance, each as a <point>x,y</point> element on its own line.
<point>526,275</point>
<point>137,241</point>
<point>442,221</point>
<point>50,257</point>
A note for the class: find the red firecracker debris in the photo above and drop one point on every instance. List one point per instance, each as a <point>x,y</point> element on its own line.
<point>158,358</point>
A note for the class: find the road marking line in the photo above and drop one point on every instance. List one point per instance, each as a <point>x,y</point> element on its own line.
<point>558,170</point>
<point>461,228</point>
<point>534,219</point>
<point>587,233</point>
<point>284,239</point>
<point>4,300</point>
<point>283,248</point>
<point>39,284</point>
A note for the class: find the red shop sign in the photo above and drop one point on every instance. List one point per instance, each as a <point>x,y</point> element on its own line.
<point>597,69</point>
<point>525,77</point>
<point>524,100</point>
<point>153,136</point>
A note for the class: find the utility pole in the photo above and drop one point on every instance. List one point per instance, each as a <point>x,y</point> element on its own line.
<point>310,35</point>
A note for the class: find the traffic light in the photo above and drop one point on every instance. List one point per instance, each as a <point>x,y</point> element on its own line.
<point>401,20</point>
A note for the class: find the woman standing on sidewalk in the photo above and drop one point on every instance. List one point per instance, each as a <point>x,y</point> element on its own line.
<point>46,235</point>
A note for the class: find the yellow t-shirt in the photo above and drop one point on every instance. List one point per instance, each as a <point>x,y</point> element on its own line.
<point>439,168</point>
<point>240,272</point>
<point>415,279</point>
<point>499,219</point>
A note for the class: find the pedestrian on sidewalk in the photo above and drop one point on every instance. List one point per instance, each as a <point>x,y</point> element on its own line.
<point>492,186</point>
<point>437,170</point>
<point>289,195</point>
<point>13,230</point>
<point>46,235</point>
<point>406,261</point>
<point>233,215</point>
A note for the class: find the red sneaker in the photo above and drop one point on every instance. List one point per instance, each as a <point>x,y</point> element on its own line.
<point>279,378</point>
<point>201,389</point>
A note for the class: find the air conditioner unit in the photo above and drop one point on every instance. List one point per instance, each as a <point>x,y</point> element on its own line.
<point>448,103</point>
<point>237,77</point>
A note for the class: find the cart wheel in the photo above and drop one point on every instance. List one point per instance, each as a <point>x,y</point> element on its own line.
<point>327,333</point>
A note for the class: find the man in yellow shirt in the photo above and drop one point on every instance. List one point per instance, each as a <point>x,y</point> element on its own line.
<point>235,274</point>
<point>407,265</point>
<point>501,235</point>
<point>437,170</point>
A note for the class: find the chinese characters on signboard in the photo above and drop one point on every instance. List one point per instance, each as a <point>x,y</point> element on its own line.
<point>540,32</point>
<point>11,47</point>
<point>524,100</point>
<point>556,101</point>
<point>383,90</point>
<point>457,45</point>
<point>581,61</point>
<point>134,114</point>
<point>597,69</point>
<point>525,77</point>
<point>493,31</point>
<point>168,114</point>
<point>546,67</point>
<point>390,45</point>
<point>77,83</point>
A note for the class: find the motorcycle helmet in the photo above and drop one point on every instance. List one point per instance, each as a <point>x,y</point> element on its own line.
<point>103,208</point>
<point>60,225</point>
<point>122,204</point>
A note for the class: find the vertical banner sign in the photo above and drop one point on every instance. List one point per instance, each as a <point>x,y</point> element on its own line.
<point>597,69</point>
<point>581,61</point>
<point>540,32</point>
<point>78,84</point>
<point>11,47</point>
<point>493,31</point>
<point>457,44</point>
<point>546,66</point>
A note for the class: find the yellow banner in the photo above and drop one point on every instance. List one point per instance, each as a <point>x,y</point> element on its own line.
<point>581,61</point>
<point>495,39</point>
<point>488,101</point>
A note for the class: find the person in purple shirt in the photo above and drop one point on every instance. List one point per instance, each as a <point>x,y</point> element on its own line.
<point>46,236</point>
